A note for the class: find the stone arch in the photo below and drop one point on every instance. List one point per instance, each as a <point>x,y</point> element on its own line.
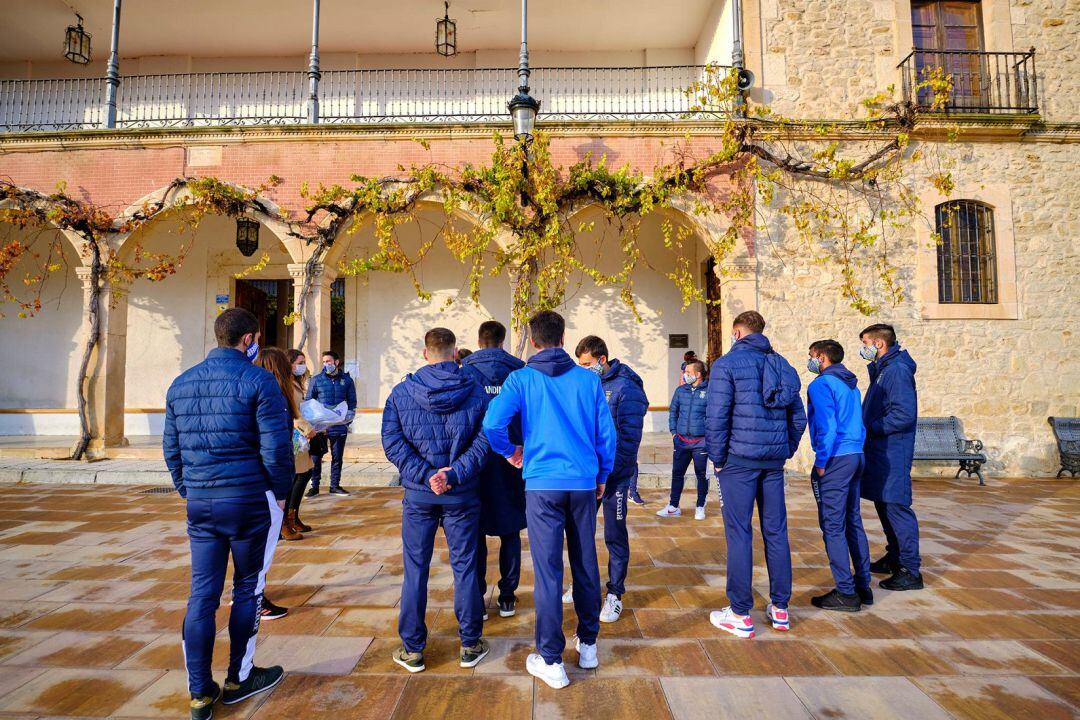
<point>179,195</point>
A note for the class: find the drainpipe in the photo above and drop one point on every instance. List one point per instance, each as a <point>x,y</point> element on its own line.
<point>738,60</point>
<point>112,76</point>
<point>313,68</point>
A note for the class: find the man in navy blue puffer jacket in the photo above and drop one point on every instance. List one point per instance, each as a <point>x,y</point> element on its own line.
<point>431,431</point>
<point>626,398</point>
<point>502,489</point>
<point>331,387</point>
<point>686,422</point>
<point>228,445</point>
<point>753,423</point>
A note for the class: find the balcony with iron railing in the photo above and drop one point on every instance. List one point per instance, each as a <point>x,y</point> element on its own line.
<point>997,83</point>
<point>366,97</point>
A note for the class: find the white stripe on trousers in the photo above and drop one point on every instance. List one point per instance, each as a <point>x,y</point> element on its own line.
<point>276,516</point>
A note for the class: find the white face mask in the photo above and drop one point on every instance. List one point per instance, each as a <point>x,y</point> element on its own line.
<point>868,353</point>
<point>597,368</point>
<point>689,379</point>
<point>299,370</point>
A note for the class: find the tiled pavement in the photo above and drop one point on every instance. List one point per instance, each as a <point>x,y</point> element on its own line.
<point>94,580</point>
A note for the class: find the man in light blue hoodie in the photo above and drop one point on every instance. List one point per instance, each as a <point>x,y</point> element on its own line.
<point>568,452</point>
<point>834,413</point>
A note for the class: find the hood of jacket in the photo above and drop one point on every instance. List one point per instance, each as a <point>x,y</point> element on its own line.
<point>552,362</point>
<point>440,388</point>
<point>494,364</point>
<point>617,370</point>
<point>842,374</point>
<point>779,381</point>
<point>893,355</point>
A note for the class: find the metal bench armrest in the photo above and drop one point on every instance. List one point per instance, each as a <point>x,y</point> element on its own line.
<point>973,446</point>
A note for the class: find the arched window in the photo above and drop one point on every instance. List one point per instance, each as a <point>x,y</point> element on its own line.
<point>966,255</point>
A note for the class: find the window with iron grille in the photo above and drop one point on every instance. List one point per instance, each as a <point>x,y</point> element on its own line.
<point>966,255</point>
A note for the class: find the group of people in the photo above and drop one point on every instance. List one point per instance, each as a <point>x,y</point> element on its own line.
<point>487,445</point>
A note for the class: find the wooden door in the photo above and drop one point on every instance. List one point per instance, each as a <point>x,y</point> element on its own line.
<point>948,34</point>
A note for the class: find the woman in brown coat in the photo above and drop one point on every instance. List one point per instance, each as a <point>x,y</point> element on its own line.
<point>300,375</point>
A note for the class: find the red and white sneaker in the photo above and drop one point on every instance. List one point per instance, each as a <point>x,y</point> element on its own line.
<point>729,621</point>
<point>779,618</point>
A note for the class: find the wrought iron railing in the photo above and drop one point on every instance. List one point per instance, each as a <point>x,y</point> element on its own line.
<point>982,82</point>
<point>348,96</point>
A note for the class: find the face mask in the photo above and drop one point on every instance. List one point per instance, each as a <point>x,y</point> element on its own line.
<point>814,365</point>
<point>597,368</point>
<point>330,368</point>
<point>252,352</point>
<point>689,379</point>
<point>299,370</point>
<point>733,341</point>
<point>868,353</point>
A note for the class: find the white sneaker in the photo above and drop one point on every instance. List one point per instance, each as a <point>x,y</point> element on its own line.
<point>779,618</point>
<point>731,622</point>
<point>699,513</point>
<point>669,511</point>
<point>587,659</point>
<point>612,609</point>
<point>568,596</point>
<point>554,675</point>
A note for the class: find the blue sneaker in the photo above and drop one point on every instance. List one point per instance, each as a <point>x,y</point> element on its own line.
<point>636,498</point>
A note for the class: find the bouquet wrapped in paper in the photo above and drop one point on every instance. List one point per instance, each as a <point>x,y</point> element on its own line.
<point>322,417</point>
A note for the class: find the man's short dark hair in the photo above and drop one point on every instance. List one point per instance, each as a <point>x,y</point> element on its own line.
<point>492,334</point>
<point>547,329</point>
<point>593,345</point>
<point>234,324</point>
<point>751,320</point>
<point>439,343</point>
<point>331,353</point>
<point>880,331</point>
<point>700,367</point>
<point>830,349</point>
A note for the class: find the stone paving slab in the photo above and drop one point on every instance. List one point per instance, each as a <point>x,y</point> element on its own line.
<point>94,583</point>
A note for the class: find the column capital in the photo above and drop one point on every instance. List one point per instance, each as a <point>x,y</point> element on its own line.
<point>323,273</point>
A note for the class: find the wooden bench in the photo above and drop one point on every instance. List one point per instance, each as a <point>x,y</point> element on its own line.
<point>1067,434</point>
<point>940,439</point>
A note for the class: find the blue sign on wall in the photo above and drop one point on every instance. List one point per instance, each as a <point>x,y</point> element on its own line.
<point>221,299</point>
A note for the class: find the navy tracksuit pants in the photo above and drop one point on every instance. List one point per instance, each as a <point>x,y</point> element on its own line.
<point>838,502</point>
<point>616,537</point>
<point>509,565</point>
<point>336,445</point>
<point>901,534</point>
<point>684,454</point>
<point>461,525</point>
<point>740,489</point>
<point>247,528</point>
<point>550,515</point>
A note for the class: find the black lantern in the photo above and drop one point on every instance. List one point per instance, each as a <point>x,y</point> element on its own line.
<point>247,236</point>
<point>446,35</point>
<point>77,43</point>
<point>523,110</point>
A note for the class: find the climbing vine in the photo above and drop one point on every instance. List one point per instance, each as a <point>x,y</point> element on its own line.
<point>844,189</point>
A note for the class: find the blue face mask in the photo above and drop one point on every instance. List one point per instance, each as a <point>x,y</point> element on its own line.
<point>252,351</point>
<point>597,368</point>
<point>814,365</point>
<point>868,353</point>
<point>330,368</point>
<point>299,370</point>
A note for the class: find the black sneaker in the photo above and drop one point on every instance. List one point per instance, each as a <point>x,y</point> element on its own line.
<point>270,611</point>
<point>312,491</point>
<point>471,656</point>
<point>338,490</point>
<point>902,579</point>
<point>636,499</point>
<point>258,680</point>
<point>202,707</point>
<point>835,600</point>
<point>866,595</point>
<point>884,566</point>
<point>507,607</point>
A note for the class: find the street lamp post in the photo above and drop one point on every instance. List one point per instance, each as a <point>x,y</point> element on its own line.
<point>112,74</point>
<point>523,107</point>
